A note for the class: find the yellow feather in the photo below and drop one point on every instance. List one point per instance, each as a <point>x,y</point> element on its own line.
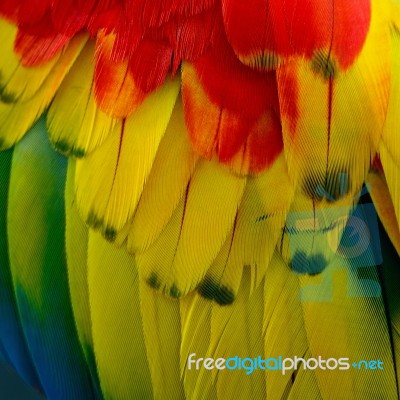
<point>116,321</point>
<point>18,83</point>
<point>155,263</point>
<point>161,325</point>
<point>395,12</point>
<point>196,333</point>
<point>345,316</point>
<point>258,226</point>
<point>236,330</point>
<point>313,231</point>
<point>177,261</point>
<point>211,204</point>
<point>391,169</point>
<point>87,126</point>
<point>391,277</point>
<point>17,118</point>
<point>222,280</point>
<point>110,181</point>
<point>383,203</point>
<point>340,118</point>
<point>390,145</point>
<point>171,171</point>
<point>285,334</point>
<point>76,246</point>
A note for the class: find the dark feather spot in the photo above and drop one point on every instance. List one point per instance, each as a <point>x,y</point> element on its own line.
<point>331,187</point>
<point>208,288</point>
<point>224,296</point>
<point>93,221</point>
<point>323,64</point>
<point>311,265</point>
<point>62,147</point>
<point>110,234</point>
<point>211,290</point>
<point>78,153</point>
<point>153,281</point>
<point>174,291</point>
<point>7,97</point>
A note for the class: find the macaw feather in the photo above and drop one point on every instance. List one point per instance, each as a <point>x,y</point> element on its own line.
<point>196,335</point>
<point>239,123</point>
<point>76,248</point>
<point>37,52</point>
<point>119,343</point>
<point>250,327</point>
<point>151,14</point>
<point>177,261</point>
<point>115,90</point>
<point>383,202</point>
<point>12,340</point>
<point>258,227</point>
<point>266,33</point>
<point>284,333</point>
<point>17,118</point>
<point>389,151</point>
<point>165,33</point>
<point>38,266</point>
<point>390,278</point>
<point>313,231</point>
<point>337,120</point>
<point>200,239</point>
<point>344,306</point>
<point>395,13</point>
<point>224,149</point>
<point>88,127</point>
<point>163,341</point>
<point>236,330</point>
<point>24,11</point>
<point>155,263</point>
<point>166,185</point>
<point>18,83</point>
<point>118,170</point>
<point>222,280</point>
<point>392,175</point>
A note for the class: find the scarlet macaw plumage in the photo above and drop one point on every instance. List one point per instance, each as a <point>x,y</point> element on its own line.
<point>184,179</point>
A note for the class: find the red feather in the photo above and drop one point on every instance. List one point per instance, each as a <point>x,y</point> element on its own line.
<point>240,120</point>
<point>264,32</point>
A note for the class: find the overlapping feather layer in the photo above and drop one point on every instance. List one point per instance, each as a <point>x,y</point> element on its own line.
<point>197,134</point>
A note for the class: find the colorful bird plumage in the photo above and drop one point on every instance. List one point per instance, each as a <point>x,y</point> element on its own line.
<point>180,177</point>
